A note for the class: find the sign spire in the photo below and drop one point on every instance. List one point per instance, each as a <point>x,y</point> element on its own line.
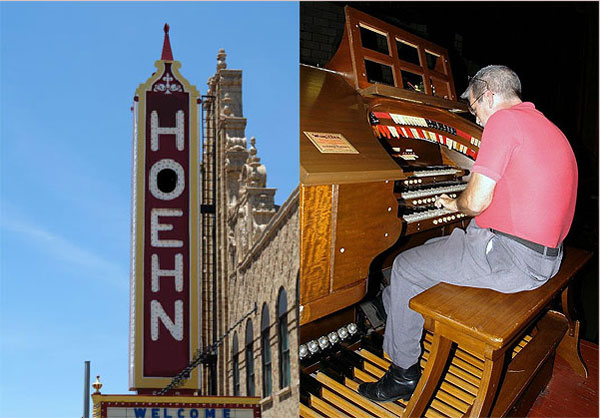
<point>167,54</point>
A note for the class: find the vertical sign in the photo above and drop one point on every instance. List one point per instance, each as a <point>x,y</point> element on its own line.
<point>164,273</point>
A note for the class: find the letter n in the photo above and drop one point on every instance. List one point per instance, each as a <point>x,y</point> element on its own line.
<point>157,312</point>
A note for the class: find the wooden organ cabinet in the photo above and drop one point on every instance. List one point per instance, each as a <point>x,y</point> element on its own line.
<point>380,138</point>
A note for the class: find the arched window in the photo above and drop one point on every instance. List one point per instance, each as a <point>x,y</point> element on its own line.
<point>267,380</point>
<point>284,342</point>
<point>236,365</point>
<point>249,359</point>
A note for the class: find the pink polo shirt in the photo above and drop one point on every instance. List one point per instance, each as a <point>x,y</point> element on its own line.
<point>535,171</point>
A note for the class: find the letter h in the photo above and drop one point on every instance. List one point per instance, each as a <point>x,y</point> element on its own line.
<point>177,130</point>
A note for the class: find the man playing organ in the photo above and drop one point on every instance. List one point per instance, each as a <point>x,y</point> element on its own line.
<point>522,194</point>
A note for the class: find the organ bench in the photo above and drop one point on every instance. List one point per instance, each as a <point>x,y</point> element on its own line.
<point>489,325</point>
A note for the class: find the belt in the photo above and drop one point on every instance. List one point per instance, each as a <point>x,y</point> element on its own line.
<point>552,252</point>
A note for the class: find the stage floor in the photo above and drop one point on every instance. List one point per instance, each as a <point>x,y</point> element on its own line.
<point>567,394</point>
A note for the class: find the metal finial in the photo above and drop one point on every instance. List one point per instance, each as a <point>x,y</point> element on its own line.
<point>166,28</point>
<point>97,385</point>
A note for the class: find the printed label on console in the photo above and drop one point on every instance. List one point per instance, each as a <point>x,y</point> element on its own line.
<point>331,143</point>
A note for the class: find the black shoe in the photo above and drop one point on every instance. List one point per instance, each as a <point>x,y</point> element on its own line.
<point>396,383</point>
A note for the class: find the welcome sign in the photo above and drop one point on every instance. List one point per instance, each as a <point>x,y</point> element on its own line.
<point>145,406</point>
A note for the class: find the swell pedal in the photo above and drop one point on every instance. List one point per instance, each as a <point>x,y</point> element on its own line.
<point>374,311</point>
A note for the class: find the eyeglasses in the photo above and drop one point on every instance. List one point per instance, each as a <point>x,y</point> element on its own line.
<point>471,104</point>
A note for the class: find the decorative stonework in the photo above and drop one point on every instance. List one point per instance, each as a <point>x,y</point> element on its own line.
<point>236,155</point>
<point>234,129</point>
<point>226,105</point>
<point>234,163</point>
<point>221,56</point>
<point>255,197</point>
<point>262,203</point>
<point>229,90</point>
<point>257,246</point>
<point>254,174</point>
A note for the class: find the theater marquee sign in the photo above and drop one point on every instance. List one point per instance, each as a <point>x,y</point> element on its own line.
<point>135,406</point>
<point>165,228</point>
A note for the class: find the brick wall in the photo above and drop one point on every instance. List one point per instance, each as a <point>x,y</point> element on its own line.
<point>272,263</point>
<point>321,28</point>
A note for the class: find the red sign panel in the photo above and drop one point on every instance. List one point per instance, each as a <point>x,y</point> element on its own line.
<point>166,233</point>
<point>165,228</point>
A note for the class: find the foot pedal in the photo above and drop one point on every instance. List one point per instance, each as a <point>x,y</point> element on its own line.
<point>372,313</point>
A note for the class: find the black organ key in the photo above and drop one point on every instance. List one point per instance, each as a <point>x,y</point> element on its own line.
<point>329,369</point>
<point>309,384</point>
<point>341,368</point>
<point>371,344</point>
<point>351,357</point>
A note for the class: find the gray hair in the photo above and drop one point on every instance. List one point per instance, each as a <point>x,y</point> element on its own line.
<point>499,79</point>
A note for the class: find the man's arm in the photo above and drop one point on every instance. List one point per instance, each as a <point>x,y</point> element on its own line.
<point>474,199</point>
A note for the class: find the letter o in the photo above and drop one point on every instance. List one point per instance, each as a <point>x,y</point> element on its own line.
<point>166,163</point>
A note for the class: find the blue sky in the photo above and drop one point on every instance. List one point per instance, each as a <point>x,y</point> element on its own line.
<point>68,76</point>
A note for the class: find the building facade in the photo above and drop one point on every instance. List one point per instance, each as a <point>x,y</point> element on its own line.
<point>249,260</point>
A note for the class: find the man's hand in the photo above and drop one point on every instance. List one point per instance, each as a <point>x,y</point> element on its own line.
<point>446,201</point>
<point>474,199</point>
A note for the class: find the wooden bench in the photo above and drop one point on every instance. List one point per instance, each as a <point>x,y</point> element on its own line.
<point>488,323</point>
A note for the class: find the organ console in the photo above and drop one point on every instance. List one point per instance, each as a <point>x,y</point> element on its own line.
<point>380,138</point>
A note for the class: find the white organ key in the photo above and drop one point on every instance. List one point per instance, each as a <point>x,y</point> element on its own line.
<point>433,213</point>
<point>441,172</point>
<point>434,190</point>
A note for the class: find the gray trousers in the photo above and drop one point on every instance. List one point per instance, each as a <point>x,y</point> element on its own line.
<point>474,257</point>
